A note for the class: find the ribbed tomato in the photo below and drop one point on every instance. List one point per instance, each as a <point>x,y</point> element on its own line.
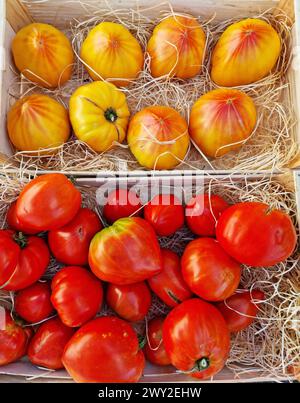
<point>177,47</point>
<point>23,260</point>
<point>209,271</point>
<point>202,213</point>
<point>125,253</point>
<point>48,202</point>
<point>240,44</point>
<point>165,213</point>
<point>255,234</point>
<point>196,338</point>
<point>158,137</point>
<point>221,121</point>
<point>14,223</point>
<point>131,302</point>
<point>111,52</point>
<point>38,122</point>
<point>154,349</point>
<point>99,115</point>
<point>169,284</point>
<point>43,54</point>
<point>121,203</point>
<point>105,350</point>
<point>70,243</point>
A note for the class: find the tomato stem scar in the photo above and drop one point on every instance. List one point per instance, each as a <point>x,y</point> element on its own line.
<point>111,115</point>
<point>202,364</point>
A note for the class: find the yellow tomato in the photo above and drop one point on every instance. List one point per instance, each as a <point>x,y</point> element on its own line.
<point>43,54</point>
<point>158,137</point>
<point>219,119</point>
<point>246,52</point>
<point>176,47</point>
<point>110,51</point>
<point>99,115</point>
<point>37,122</point>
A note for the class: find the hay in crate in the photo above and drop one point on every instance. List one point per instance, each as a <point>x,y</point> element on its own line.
<point>271,145</point>
<point>271,345</point>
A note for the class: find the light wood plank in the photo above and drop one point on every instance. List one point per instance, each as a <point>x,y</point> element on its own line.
<point>17,14</point>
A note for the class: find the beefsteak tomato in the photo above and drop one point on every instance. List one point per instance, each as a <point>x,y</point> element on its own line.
<point>70,243</point>
<point>23,260</point>
<point>14,223</point>
<point>131,302</point>
<point>43,54</point>
<point>112,53</point>
<point>240,310</point>
<point>33,303</point>
<point>125,253</point>
<point>165,213</point>
<point>47,345</point>
<point>104,350</point>
<point>48,202</point>
<point>121,203</point>
<point>158,137</point>
<point>202,213</point>
<point>209,271</point>
<point>76,295</point>
<point>196,338</point>
<point>154,349</point>
<point>169,284</point>
<point>256,235</point>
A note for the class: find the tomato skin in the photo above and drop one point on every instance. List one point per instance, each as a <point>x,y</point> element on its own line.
<point>14,223</point>
<point>240,302</point>
<point>169,284</point>
<point>47,345</point>
<point>209,271</point>
<point>154,350</point>
<point>75,306</point>
<point>33,303</point>
<point>13,339</point>
<point>131,241</point>
<point>121,203</point>
<point>193,331</point>
<point>48,202</point>
<point>70,243</point>
<point>256,236</point>
<point>21,266</point>
<point>113,358</point>
<point>131,302</point>
<point>198,213</point>
<point>165,213</point>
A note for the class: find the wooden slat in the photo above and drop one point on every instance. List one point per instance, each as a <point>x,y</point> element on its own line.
<point>17,15</point>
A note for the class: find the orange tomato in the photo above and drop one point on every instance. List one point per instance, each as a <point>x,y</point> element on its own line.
<point>158,137</point>
<point>177,47</point>
<point>37,122</point>
<point>99,115</point>
<point>246,52</point>
<point>110,51</point>
<point>220,119</point>
<point>43,54</point>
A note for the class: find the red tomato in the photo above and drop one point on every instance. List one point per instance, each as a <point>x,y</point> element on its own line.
<point>121,203</point>
<point>239,310</point>
<point>169,284</point>
<point>48,202</point>
<point>33,303</point>
<point>47,345</point>
<point>14,223</point>
<point>125,253</point>
<point>70,244</point>
<point>13,339</point>
<point>255,235</point>
<point>202,213</point>
<point>131,302</point>
<point>76,295</point>
<point>196,338</point>
<point>165,213</point>
<point>154,350</point>
<point>104,350</point>
<point>23,260</point>
<point>209,271</point>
